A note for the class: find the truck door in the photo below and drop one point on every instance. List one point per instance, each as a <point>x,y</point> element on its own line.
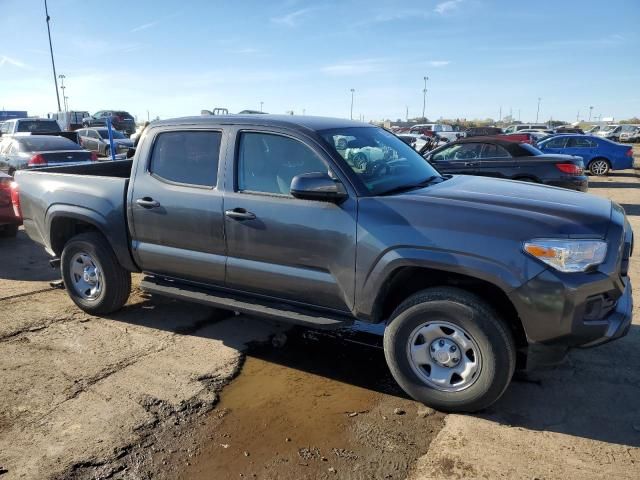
<point>280,246</point>
<point>175,205</point>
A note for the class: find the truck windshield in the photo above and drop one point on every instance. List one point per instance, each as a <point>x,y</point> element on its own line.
<point>381,160</point>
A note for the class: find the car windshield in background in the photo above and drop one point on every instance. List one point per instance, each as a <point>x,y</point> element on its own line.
<point>38,126</point>
<point>381,160</point>
<point>531,149</point>
<point>44,144</point>
<point>104,134</point>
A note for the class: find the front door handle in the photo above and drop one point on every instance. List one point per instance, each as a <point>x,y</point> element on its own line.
<point>471,164</point>
<point>240,214</point>
<point>148,202</point>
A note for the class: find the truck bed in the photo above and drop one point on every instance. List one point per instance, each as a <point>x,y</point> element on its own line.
<point>94,192</point>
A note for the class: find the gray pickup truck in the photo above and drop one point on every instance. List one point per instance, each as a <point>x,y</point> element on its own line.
<point>322,222</point>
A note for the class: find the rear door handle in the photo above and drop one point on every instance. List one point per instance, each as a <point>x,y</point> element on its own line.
<point>471,164</point>
<point>240,214</point>
<point>148,202</point>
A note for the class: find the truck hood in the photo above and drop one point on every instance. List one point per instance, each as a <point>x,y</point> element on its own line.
<point>526,209</point>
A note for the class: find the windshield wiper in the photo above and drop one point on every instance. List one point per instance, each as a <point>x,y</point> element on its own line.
<point>413,186</point>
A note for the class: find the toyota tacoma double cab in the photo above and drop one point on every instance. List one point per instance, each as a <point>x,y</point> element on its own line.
<point>472,277</point>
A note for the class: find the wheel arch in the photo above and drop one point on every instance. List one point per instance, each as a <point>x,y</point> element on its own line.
<point>62,225</point>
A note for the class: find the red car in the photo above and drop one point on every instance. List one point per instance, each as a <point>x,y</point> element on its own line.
<point>10,218</point>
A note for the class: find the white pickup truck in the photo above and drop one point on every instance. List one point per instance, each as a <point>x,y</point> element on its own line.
<point>441,129</point>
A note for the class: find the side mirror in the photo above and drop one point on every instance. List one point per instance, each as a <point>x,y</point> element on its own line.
<point>318,186</point>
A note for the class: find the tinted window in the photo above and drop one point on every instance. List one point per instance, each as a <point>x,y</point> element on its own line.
<point>267,163</point>
<point>38,126</point>
<point>104,134</point>
<point>125,115</point>
<point>45,143</point>
<point>187,157</point>
<point>556,143</point>
<point>580,142</point>
<point>494,151</point>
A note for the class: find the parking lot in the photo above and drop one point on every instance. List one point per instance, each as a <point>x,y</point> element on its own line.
<point>165,389</point>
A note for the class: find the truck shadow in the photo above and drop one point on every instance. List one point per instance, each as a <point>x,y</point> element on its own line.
<point>24,260</point>
<point>593,395</point>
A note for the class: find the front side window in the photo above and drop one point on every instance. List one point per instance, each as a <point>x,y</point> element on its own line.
<point>187,157</point>
<point>379,159</point>
<point>267,162</point>
<point>556,143</point>
<point>460,151</point>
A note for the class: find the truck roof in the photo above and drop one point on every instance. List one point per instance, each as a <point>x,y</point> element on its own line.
<point>291,121</point>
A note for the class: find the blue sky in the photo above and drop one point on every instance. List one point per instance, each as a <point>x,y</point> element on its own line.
<point>175,58</point>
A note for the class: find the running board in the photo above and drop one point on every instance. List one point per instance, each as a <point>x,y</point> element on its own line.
<point>219,299</point>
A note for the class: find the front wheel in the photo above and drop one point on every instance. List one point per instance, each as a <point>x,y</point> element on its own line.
<point>599,167</point>
<point>94,278</point>
<point>449,349</point>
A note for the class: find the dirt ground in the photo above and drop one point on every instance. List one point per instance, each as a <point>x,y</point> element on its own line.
<point>166,390</point>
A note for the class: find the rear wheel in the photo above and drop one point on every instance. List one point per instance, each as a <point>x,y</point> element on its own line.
<point>449,349</point>
<point>94,279</point>
<point>599,167</point>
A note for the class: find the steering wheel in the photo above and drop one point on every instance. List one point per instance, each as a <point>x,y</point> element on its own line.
<point>376,167</point>
<point>465,155</point>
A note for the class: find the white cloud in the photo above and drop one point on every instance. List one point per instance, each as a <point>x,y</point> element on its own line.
<point>355,67</point>
<point>292,19</point>
<point>439,63</point>
<point>4,60</point>
<point>144,26</point>
<point>447,6</point>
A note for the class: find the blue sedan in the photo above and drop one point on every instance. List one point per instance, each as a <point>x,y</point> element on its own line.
<point>599,154</point>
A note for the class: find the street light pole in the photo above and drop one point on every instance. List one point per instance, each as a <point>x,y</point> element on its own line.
<point>353,90</point>
<point>62,77</point>
<point>424,98</point>
<point>261,103</point>
<point>53,65</point>
<point>66,104</point>
<point>590,110</point>
<point>538,112</point>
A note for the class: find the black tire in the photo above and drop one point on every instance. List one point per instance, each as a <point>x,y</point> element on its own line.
<point>470,313</point>
<point>596,167</point>
<point>9,231</point>
<point>116,281</point>
<point>107,152</point>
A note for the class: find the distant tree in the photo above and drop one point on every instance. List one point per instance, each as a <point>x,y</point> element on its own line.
<point>634,120</point>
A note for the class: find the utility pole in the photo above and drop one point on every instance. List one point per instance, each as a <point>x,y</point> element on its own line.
<point>500,116</point>
<point>424,98</point>
<point>578,116</point>
<point>66,103</point>
<point>538,112</point>
<point>62,77</point>
<point>261,103</point>
<point>590,110</point>
<point>518,114</point>
<point>353,90</point>
<point>406,118</point>
<point>53,65</point>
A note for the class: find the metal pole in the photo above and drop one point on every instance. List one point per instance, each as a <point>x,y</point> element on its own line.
<point>424,98</point>
<point>53,65</point>
<point>538,112</point>
<point>66,104</point>
<point>111,146</point>
<point>590,110</point>
<point>261,103</point>
<point>352,92</point>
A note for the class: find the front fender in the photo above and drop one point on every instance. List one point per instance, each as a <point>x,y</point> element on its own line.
<point>505,277</point>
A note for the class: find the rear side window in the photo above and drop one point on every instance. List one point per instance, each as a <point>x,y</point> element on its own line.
<point>38,126</point>
<point>581,142</point>
<point>187,157</point>
<point>46,143</point>
<point>494,151</point>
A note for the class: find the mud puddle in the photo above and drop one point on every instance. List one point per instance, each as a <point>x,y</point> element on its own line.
<point>318,407</point>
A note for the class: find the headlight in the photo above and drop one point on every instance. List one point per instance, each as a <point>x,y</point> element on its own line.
<point>568,255</point>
